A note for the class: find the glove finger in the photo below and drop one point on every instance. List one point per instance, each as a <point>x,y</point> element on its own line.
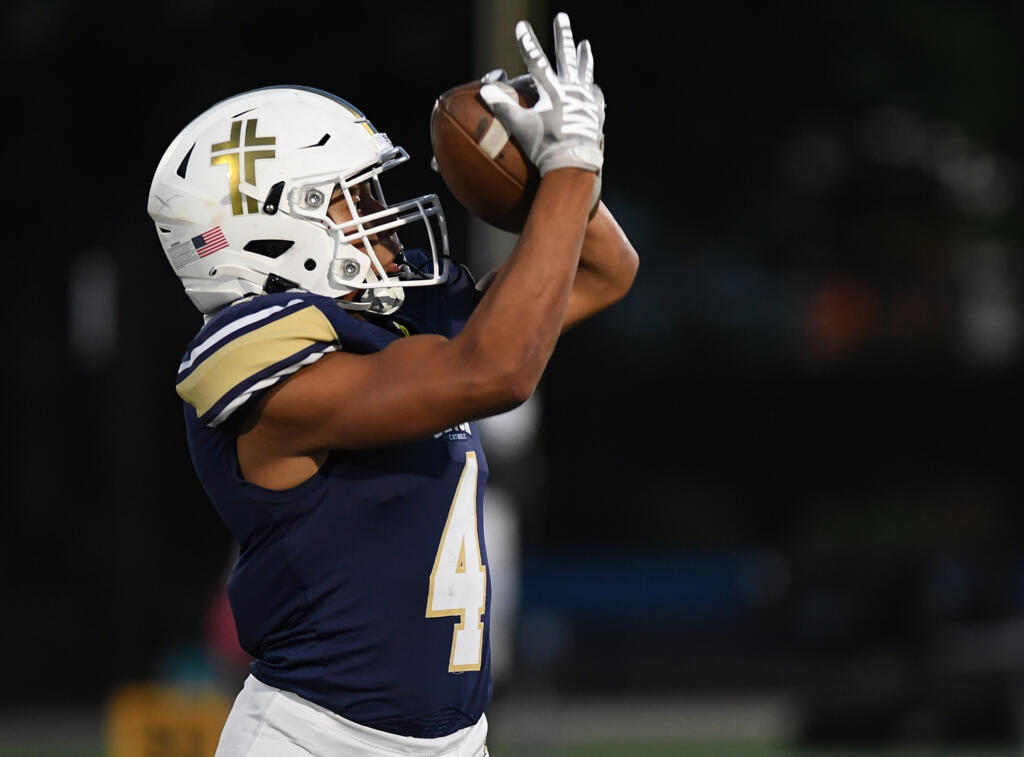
<point>536,62</point>
<point>565,49</point>
<point>586,63</point>
<point>495,74</point>
<point>498,100</point>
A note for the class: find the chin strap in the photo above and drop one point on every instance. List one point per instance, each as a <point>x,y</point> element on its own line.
<point>383,300</point>
<point>245,274</point>
<point>353,304</point>
<point>268,283</point>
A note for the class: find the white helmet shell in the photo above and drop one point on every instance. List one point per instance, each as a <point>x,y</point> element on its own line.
<point>240,202</point>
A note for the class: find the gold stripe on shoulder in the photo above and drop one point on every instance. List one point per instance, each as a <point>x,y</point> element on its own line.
<point>241,358</point>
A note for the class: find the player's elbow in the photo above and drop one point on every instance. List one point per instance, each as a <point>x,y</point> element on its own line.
<point>614,278</point>
<point>513,381</point>
<point>626,271</point>
<point>518,388</point>
<point>503,381</point>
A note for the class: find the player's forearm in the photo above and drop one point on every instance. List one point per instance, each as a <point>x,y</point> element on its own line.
<point>517,323</point>
<point>608,266</point>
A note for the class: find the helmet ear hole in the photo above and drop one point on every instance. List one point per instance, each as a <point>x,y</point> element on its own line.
<point>310,264</point>
<point>270,248</point>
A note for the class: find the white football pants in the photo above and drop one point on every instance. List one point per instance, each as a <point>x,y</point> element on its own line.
<point>269,722</point>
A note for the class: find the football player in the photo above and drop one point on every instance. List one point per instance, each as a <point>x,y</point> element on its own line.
<point>331,395</point>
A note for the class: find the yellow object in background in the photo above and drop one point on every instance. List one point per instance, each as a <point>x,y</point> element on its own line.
<point>146,720</point>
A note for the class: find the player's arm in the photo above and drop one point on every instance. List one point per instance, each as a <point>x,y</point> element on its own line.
<point>608,265</point>
<point>608,262</point>
<point>423,384</point>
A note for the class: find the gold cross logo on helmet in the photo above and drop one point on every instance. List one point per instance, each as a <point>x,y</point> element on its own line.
<point>234,152</point>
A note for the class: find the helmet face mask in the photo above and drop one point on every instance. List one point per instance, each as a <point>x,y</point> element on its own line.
<point>241,197</point>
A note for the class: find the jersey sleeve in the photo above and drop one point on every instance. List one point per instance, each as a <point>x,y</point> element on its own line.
<point>248,348</point>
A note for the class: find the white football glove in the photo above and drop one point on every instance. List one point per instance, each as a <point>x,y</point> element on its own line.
<point>564,128</point>
<point>524,84</point>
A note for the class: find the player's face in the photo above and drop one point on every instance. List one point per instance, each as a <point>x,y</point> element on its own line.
<point>386,246</point>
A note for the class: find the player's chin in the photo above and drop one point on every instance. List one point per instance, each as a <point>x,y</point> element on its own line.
<point>388,261</point>
<point>389,252</point>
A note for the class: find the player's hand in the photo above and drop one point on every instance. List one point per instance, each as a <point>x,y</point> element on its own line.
<point>565,128</point>
<point>521,85</point>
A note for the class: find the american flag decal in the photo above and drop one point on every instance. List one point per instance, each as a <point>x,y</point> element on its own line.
<point>210,241</point>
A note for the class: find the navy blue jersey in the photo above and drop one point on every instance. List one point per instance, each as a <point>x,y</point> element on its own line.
<point>365,588</point>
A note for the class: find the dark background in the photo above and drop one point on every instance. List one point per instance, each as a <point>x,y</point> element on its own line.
<point>788,459</point>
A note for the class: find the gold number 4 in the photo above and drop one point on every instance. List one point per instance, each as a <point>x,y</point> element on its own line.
<point>458,582</point>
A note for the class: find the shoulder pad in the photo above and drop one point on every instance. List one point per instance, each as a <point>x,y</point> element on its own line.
<point>247,348</point>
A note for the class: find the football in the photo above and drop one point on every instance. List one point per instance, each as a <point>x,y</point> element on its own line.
<point>481,165</point>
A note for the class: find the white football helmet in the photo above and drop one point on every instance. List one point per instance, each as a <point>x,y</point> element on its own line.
<point>240,203</point>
